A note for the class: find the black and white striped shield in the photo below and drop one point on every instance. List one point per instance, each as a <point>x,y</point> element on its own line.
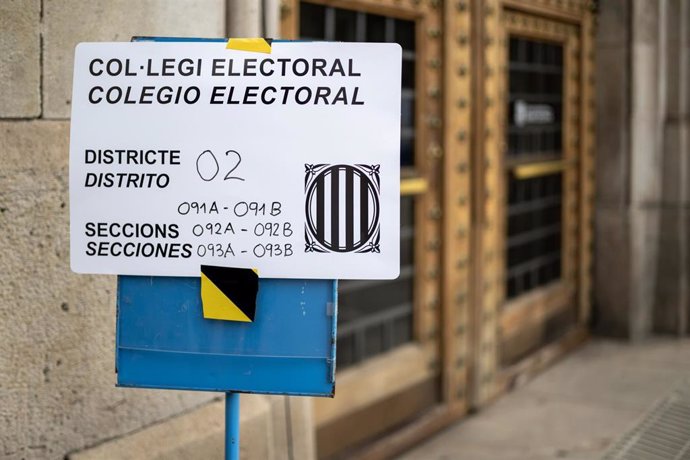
<point>342,208</point>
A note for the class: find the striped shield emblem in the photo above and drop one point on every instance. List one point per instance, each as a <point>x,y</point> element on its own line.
<point>342,208</point>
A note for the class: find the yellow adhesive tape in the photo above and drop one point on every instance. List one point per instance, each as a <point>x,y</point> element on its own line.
<point>229,293</point>
<point>256,45</point>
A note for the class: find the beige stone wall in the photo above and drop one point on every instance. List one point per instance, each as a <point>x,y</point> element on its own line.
<point>267,423</point>
<point>20,60</point>
<point>643,168</point>
<point>672,312</point>
<point>57,393</point>
<point>612,295</point>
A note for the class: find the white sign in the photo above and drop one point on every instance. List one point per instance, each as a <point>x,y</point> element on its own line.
<point>532,114</point>
<point>188,153</point>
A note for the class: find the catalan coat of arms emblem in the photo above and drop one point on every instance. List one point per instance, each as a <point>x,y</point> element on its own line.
<point>342,206</point>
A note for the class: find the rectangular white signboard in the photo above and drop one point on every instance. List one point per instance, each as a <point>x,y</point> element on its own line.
<point>189,153</point>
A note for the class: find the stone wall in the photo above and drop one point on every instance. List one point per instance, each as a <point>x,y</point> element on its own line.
<point>57,393</point>
<point>642,225</point>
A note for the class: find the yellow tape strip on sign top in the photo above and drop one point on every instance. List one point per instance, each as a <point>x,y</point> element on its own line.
<point>257,45</point>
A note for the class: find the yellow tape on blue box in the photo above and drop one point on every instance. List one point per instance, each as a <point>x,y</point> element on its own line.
<point>229,293</point>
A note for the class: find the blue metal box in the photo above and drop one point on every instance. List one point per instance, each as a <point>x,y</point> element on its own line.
<point>163,340</point>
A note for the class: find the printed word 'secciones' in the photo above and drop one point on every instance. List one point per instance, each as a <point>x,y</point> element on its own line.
<point>111,244</point>
<point>137,249</point>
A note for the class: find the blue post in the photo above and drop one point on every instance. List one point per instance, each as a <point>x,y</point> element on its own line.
<point>232,426</point>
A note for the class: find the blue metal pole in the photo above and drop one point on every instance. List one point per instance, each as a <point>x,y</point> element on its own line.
<point>232,426</point>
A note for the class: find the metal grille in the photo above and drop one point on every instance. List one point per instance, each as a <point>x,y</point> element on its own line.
<point>374,316</point>
<point>536,82</point>
<point>534,232</point>
<point>318,22</point>
<point>663,434</point>
<point>534,134</point>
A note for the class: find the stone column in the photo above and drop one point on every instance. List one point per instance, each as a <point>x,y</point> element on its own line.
<point>612,287</point>
<point>641,281</point>
<point>253,19</point>
<point>671,314</point>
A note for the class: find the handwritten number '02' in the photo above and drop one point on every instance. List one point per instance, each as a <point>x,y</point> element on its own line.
<point>207,165</point>
<point>239,160</point>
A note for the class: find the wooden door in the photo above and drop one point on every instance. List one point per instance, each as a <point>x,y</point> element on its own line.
<point>533,193</point>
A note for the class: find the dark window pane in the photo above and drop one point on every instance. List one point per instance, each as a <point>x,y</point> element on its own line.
<point>373,338</point>
<point>376,28</point>
<point>407,246</point>
<point>408,74</point>
<point>535,85</point>
<point>407,109</point>
<point>346,350</point>
<point>550,56</point>
<point>407,212</point>
<point>404,34</point>
<point>407,152</point>
<point>345,25</point>
<point>402,330</point>
<point>558,51</point>
<point>312,21</point>
<point>513,50</point>
<point>375,316</point>
<point>534,232</point>
<point>534,51</point>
